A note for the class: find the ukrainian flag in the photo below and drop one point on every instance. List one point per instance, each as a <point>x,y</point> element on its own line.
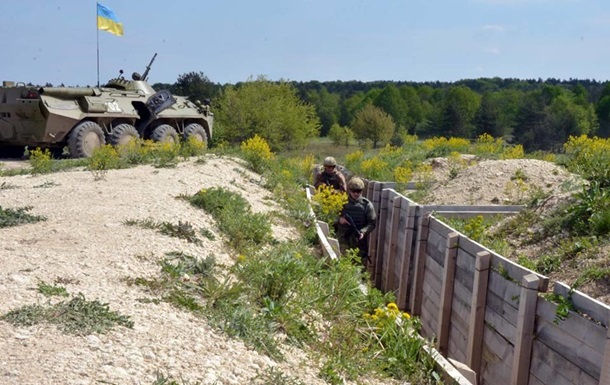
<point>107,21</point>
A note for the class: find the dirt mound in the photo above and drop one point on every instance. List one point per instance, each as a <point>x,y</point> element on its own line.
<point>497,182</point>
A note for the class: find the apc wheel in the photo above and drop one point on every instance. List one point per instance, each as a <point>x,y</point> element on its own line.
<point>165,133</point>
<point>123,134</point>
<point>195,131</point>
<point>84,138</point>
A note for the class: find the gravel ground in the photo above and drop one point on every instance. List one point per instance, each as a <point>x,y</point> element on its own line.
<point>85,245</point>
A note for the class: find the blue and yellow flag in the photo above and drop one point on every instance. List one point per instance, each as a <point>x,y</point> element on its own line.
<point>107,21</point>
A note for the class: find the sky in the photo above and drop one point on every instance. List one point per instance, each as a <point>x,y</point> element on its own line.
<point>231,41</point>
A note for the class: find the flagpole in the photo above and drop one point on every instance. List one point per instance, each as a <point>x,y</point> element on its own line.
<point>98,46</point>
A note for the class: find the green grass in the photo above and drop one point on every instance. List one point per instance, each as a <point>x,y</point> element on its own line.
<point>76,316</point>
<point>49,290</point>
<point>18,216</point>
<point>182,230</point>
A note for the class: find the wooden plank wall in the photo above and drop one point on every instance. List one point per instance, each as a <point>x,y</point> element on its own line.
<point>481,308</point>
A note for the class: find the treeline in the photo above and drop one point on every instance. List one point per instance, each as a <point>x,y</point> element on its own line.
<point>538,114</point>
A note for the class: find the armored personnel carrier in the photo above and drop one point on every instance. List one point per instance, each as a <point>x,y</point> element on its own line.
<point>85,118</point>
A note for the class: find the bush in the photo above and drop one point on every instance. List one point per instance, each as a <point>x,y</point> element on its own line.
<point>258,153</point>
<point>327,204</point>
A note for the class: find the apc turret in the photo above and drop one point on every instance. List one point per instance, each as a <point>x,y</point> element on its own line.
<point>85,118</point>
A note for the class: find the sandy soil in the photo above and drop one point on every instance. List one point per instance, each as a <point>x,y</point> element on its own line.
<point>492,182</point>
<point>85,245</point>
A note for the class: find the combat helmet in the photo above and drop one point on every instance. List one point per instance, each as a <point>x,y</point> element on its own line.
<point>330,161</point>
<point>355,184</point>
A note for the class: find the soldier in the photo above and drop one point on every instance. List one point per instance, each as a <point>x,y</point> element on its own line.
<point>331,176</point>
<point>358,218</point>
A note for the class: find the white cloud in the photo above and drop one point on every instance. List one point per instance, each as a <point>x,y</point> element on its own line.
<point>492,27</point>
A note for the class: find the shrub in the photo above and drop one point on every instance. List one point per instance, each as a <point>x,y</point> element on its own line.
<point>257,152</point>
<point>374,168</point>
<point>165,154</point>
<point>487,146</point>
<point>328,204</point>
<point>589,157</point>
<point>103,159</point>
<point>513,152</point>
<point>40,160</point>
<point>233,213</point>
<point>353,160</point>
<point>340,135</point>
<point>14,217</point>
<point>192,147</point>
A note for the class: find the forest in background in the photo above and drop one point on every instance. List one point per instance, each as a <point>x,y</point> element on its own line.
<point>538,114</point>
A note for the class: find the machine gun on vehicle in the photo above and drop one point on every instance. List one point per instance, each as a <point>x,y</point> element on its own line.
<point>145,74</point>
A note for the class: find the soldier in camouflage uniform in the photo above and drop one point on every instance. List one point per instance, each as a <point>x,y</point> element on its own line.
<point>331,176</point>
<point>358,218</point>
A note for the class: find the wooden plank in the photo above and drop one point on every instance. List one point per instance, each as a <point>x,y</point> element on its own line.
<point>398,246</point>
<point>451,375</point>
<point>373,190</point>
<point>506,267</point>
<point>435,269</point>
<point>392,240</point>
<point>334,245</point>
<point>593,308</point>
<point>420,262</point>
<point>582,329</point>
<point>441,227</point>
<point>605,375</point>
<point>497,356</point>
<point>404,287</point>
<point>473,214</point>
<point>534,381</point>
<point>477,311</point>
<point>508,291</point>
<point>390,225</point>
<point>432,288</point>
<point>462,300</point>
<point>582,355</point>
<point>549,366</point>
<point>444,319</point>
<point>465,261</point>
<point>525,329</point>
<point>500,324</point>
<point>381,231</point>
<point>436,246</point>
<point>502,316</point>
<point>327,249</point>
<point>428,320</point>
<point>324,227</point>
<point>501,208</point>
<point>464,277</point>
<point>458,338</point>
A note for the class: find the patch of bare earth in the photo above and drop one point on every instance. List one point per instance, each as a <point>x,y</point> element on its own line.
<point>85,245</point>
<point>496,182</point>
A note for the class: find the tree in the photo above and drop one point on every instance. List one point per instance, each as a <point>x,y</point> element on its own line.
<point>603,112</point>
<point>270,109</point>
<point>196,86</point>
<point>413,103</point>
<point>327,107</point>
<point>390,101</point>
<point>340,135</point>
<point>459,108</point>
<point>548,117</point>
<point>487,119</point>
<point>373,124</point>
